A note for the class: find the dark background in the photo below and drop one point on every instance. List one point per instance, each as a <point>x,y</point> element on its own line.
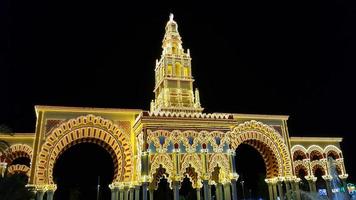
<point>271,57</point>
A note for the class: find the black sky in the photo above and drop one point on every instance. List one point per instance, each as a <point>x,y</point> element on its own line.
<point>270,57</point>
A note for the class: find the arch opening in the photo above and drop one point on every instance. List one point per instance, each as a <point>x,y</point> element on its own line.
<point>21,161</point>
<point>301,171</point>
<point>250,162</point>
<point>320,182</point>
<point>80,168</point>
<point>160,184</point>
<point>186,190</point>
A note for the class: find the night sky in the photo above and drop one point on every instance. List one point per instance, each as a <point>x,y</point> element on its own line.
<point>294,58</point>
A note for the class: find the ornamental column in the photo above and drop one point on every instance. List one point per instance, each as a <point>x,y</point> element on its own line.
<point>274,186</point>
<point>234,176</point>
<point>121,193</point>
<point>270,184</point>
<point>175,185</point>
<point>144,190</point>
<point>296,186</point>
<point>280,187</point>
<point>3,166</point>
<point>114,192</point>
<point>126,193</point>
<point>328,179</point>
<point>206,189</point>
<point>198,193</point>
<point>50,191</point>
<point>227,191</point>
<point>151,192</point>
<point>234,189</point>
<point>40,193</point>
<point>137,192</point>
<point>219,192</point>
<point>287,181</point>
<point>131,193</point>
<point>206,177</point>
<point>311,182</point>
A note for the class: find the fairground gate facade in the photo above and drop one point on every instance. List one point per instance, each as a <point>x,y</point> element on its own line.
<point>175,139</point>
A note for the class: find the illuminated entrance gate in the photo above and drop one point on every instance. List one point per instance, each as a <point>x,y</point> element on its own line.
<point>83,129</point>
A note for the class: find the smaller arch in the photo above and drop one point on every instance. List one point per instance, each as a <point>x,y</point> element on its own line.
<point>299,152</point>
<point>320,167</point>
<point>162,161</point>
<point>193,177</point>
<point>316,155</point>
<point>18,151</point>
<point>221,161</point>
<point>298,147</point>
<point>332,154</point>
<point>301,168</point>
<point>159,174</point>
<point>23,169</point>
<point>193,161</point>
<point>331,149</point>
<point>315,152</point>
<point>299,155</point>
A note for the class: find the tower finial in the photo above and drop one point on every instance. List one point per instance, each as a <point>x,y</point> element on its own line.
<point>171,17</point>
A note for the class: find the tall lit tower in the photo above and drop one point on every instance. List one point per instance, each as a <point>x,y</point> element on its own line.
<point>173,76</point>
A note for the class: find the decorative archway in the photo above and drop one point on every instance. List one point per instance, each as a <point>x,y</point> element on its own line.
<point>23,169</point>
<point>268,142</point>
<point>192,166</point>
<point>162,161</point>
<point>89,129</point>
<point>219,160</point>
<point>18,151</point>
<point>315,152</point>
<point>333,151</point>
<point>299,153</point>
<point>301,167</point>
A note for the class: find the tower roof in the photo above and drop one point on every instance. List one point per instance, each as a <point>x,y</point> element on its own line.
<point>174,89</point>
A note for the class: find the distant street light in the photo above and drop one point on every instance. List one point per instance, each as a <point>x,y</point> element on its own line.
<point>243,189</point>
<point>98,189</point>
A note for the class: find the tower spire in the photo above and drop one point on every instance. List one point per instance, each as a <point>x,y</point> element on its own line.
<point>174,90</point>
<point>171,16</point>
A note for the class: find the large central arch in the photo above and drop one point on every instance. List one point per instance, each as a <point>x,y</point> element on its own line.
<point>88,129</point>
<point>268,143</point>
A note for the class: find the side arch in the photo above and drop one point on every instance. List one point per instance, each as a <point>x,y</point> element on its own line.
<point>253,130</point>
<point>17,151</point>
<point>192,161</point>
<point>23,169</point>
<point>332,149</point>
<point>162,161</point>
<point>91,129</point>
<point>315,152</point>
<point>298,151</point>
<point>221,161</point>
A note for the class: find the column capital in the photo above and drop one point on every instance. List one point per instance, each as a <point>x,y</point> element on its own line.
<point>231,152</point>
<point>206,176</point>
<point>310,178</point>
<point>146,178</point>
<point>271,180</point>
<point>343,176</point>
<point>3,164</point>
<point>289,178</point>
<point>327,177</point>
<point>280,179</point>
<point>51,187</point>
<point>234,176</point>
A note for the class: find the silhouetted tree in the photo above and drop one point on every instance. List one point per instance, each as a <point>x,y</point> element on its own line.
<point>14,188</point>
